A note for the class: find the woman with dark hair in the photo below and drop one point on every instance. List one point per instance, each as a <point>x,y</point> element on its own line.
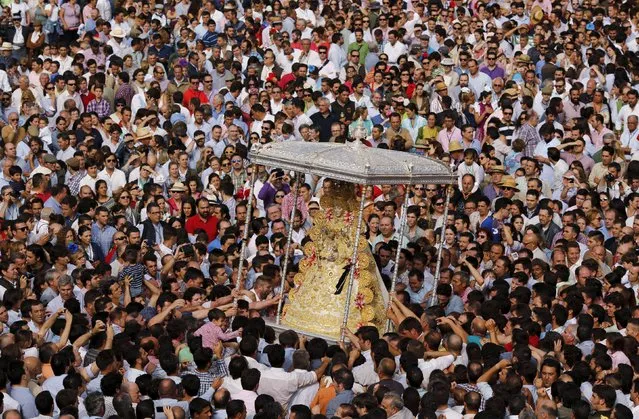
<point>92,252</point>
<point>188,208</point>
<point>37,259</point>
<point>102,194</point>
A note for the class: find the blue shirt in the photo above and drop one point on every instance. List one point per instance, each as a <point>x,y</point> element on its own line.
<point>455,305</point>
<point>418,297</point>
<point>492,225</point>
<point>344,397</point>
<point>102,237</point>
<point>162,53</point>
<point>54,205</point>
<point>210,38</point>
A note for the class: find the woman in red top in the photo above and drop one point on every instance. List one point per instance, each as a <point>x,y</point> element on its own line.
<point>175,201</point>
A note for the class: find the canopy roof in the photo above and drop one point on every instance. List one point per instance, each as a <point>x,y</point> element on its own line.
<point>352,162</point>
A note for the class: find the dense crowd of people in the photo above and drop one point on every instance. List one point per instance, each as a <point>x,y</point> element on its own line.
<point>124,198</point>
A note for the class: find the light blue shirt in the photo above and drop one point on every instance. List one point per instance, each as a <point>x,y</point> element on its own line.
<point>103,237</point>
<point>455,305</point>
<point>418,296</point>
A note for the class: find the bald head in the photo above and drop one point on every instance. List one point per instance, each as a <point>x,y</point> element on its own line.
<point>386,368</point>
<point>167,389</point>
<point>479,326</point>
<point>455,343</point>
<point>11,414</point>
<point>221,398</point>
<point>546,409</point>
<point>33,366</point>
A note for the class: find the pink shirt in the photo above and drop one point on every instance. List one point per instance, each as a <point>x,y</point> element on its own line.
<point>445,137</point>
<point>211,334</point>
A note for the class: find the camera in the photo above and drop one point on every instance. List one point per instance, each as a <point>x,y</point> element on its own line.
<point>609,177</point>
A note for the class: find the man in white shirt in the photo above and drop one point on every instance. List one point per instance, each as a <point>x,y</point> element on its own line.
<point>66,151</point>
<point>70,92</point>
<point>114,177</point>
<point>250,383</point>
<point>630,108</point>
<point>91,176</point>
<point>282,385</point>
<point>394,48</point>
<point>304,12</point>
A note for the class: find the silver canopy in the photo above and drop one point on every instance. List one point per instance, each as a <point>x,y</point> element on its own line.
<point>352,162</point>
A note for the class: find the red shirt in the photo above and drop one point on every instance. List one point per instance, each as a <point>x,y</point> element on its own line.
<point>191,93</point>
<point>196,223</point>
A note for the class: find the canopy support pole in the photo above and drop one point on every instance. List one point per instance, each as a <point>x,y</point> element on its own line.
<point>433,298</point>
<point>402,230</point>
<point>247,226</point>
<point>289,239</point>
<point>351,276</point>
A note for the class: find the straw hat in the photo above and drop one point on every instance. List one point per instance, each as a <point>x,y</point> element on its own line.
<point>536,15</point>
<point>439,86</point>
<point>448,62</point>
<point>511,92</point>
<point>509,182</point>
<point>6,46</point>
<point>524,58</point>
<point>118,32</point>
<point>455,146</point>
<point>41,170</point>
<point>143,133</point>
<point>178,187</point>
<point>498,169</point>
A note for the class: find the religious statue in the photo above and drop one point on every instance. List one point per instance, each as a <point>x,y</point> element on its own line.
<point>317,303</point>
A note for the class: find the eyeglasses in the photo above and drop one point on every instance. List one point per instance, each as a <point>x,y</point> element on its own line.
<point>208,81</point>
<point>225,164</point>
<point>279,196</point>
<point>431,190</point>
<point>355,55</point>
<point>13,119</point>
<point>236,161</point>
<point>419,188</point>
<point>110,160</point>
<point>119,238</point>
<point>22,228</point>
<point>70,84</point>
<point>395,84</point>
<point>508,113</point>
<point>439,204</point>
<point>125,197</point>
